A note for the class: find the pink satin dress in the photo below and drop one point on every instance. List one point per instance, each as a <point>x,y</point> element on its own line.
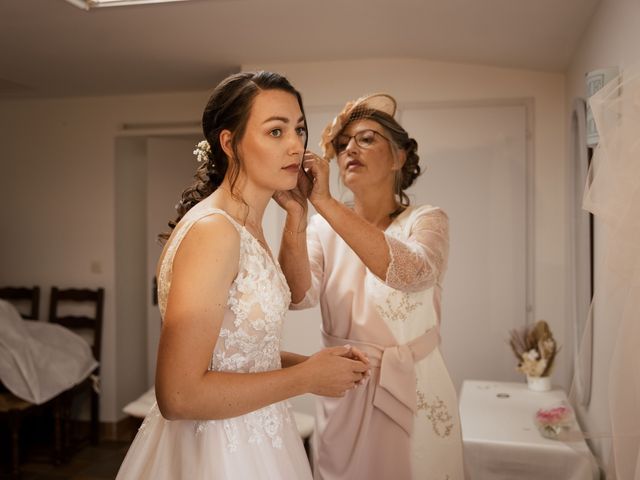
<point>404,423</point>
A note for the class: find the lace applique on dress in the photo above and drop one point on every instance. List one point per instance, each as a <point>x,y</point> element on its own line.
<point>229,426</point>
<point>200,426</point>
<point>266,423</point>
<point>153,414</point>
<point>437,413</point>
<point>394,305</point>
<point>259,299</point>
<point>231,431</point>
<point>417,262</point>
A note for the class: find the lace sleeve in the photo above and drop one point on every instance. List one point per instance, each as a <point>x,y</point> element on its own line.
<point>420,261</point>
<point>316,264</point>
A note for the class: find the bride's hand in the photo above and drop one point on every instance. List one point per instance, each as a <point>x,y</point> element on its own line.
<point>294,201</point>
<point>331,371</point>
<point>357,354</point>
<point>318,169</point>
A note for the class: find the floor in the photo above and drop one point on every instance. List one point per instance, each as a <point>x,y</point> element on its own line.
<point>99,462</point>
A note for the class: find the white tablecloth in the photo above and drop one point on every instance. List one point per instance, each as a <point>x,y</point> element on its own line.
<point>501,440</point>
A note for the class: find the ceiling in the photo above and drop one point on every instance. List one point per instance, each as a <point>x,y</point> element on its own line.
<point>51,48</point>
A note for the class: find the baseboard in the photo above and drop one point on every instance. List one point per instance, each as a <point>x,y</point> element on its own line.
<point>121,431</point>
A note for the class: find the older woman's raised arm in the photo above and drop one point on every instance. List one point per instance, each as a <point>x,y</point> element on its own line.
<point>302,262</point>
<point>411,264</point>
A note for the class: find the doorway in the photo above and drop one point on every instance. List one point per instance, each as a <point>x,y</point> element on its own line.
<point>151,173</point>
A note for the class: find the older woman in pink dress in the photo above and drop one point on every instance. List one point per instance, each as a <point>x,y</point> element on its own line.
<point>376,268</point>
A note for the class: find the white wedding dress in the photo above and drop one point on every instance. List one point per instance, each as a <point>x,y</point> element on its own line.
<point>263,444</point>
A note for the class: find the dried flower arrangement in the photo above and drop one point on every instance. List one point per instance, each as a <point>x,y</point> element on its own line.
<point>535,349</point>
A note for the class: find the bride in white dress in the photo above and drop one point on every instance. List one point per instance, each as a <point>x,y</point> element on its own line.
<point>221,380</point>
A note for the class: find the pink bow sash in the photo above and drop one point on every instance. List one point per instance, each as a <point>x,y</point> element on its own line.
<point>395,392</point>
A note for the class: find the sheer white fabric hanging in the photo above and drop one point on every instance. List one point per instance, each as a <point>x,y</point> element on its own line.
<point>613,196</point>
<point>579,242</point>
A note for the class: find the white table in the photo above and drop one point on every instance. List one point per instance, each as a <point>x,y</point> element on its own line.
<point>501,440</point>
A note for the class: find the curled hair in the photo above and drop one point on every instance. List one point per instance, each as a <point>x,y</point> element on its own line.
<point>228,108</point>
<point>400,140</point>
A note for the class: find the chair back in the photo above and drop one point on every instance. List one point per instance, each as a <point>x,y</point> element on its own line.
<point>25,299</point>
<point>65,299</point>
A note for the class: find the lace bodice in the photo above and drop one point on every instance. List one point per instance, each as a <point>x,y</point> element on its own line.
<point>249,338</point>
<point>258,300</point>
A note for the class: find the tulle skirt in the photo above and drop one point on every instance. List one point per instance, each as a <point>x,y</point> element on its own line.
<point>263,444</point>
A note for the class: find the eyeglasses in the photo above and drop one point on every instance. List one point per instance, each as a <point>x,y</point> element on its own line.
<point>364,139</point>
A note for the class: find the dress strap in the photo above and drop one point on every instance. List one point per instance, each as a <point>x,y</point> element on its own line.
<point>212,210</point>
<point>191,221</point>
<point>395,392</point>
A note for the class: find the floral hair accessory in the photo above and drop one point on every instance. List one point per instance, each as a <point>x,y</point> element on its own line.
<point>202,151</point>
<point>352,111</point>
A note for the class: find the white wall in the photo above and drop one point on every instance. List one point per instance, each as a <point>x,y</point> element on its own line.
<point>57,191</point>
<point>130,268</point>
<point>411,81</point>
<point>611,39</point>
<point>170,168</point>
<point>57,174</point>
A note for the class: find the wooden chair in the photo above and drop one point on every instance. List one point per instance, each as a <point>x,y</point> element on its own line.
<point>60,300</point>
<point>14,409</point>
<point>19,296</point>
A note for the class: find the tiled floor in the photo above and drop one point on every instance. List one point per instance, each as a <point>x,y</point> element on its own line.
<point>100,462</point>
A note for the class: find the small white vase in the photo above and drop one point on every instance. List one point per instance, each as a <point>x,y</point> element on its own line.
<point>539,384</point>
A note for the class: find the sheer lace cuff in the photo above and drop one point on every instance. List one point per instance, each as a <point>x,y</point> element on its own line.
<point>420,261</point>
<point>309,300</point>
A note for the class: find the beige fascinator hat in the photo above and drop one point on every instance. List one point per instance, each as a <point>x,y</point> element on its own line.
<point>355,110</point>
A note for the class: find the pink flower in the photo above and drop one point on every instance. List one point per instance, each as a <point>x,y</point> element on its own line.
<point>554,416</point>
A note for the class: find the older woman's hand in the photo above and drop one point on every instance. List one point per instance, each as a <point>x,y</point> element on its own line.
<point>318,168</point>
